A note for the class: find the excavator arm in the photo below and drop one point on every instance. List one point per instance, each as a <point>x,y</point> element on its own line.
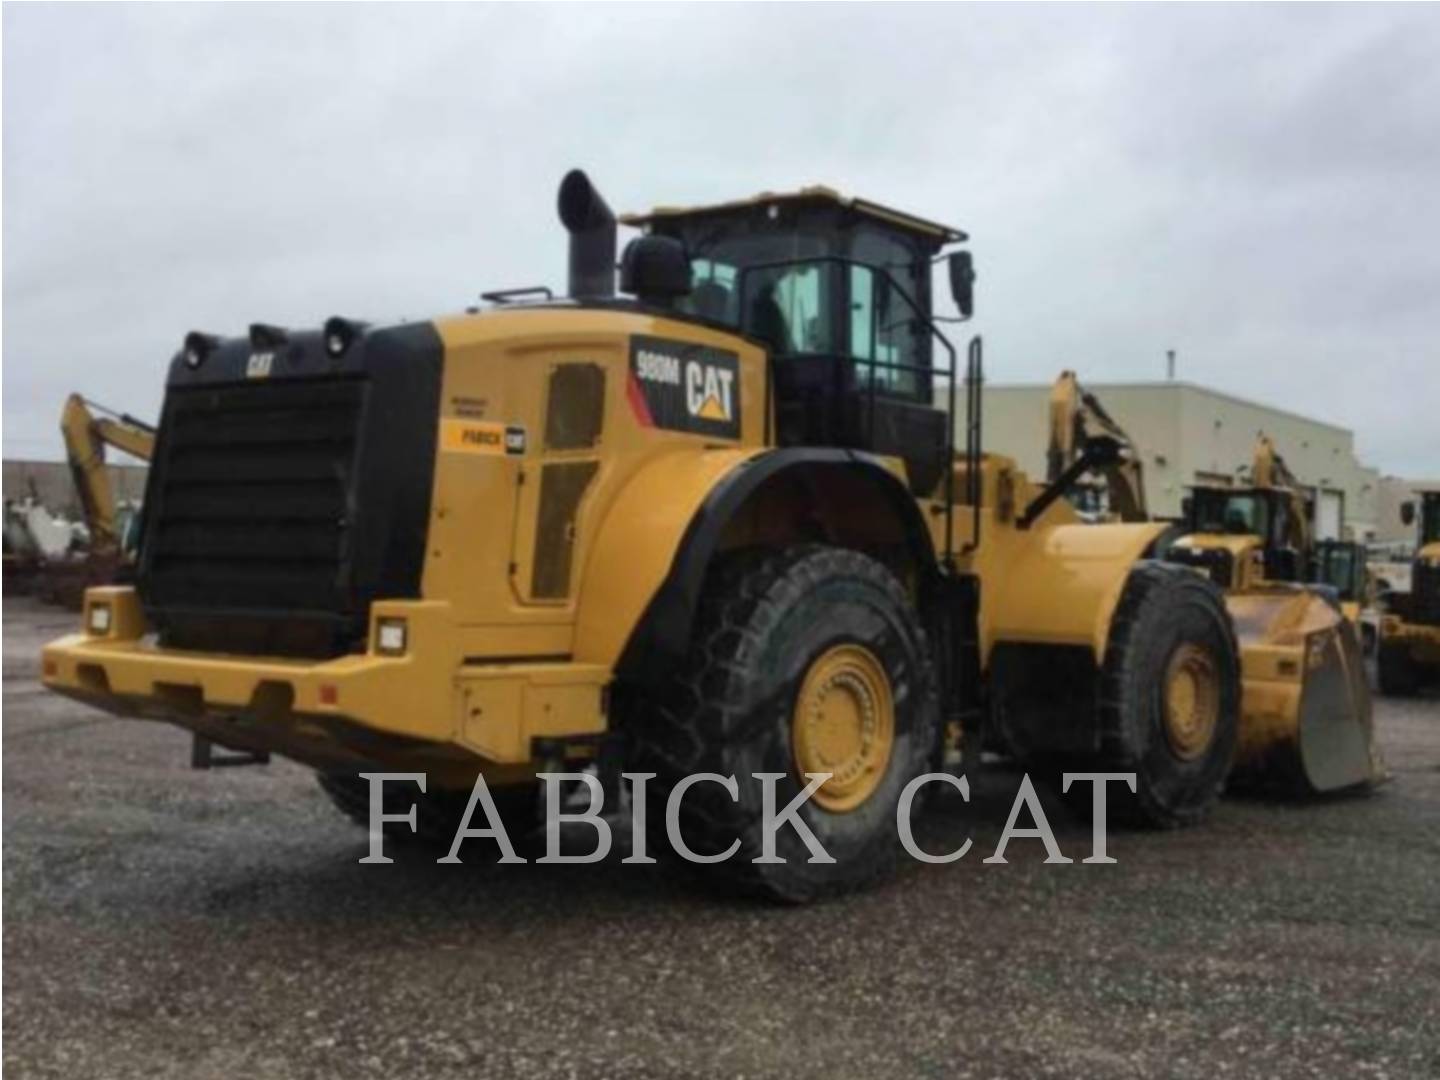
<point>86,437</point>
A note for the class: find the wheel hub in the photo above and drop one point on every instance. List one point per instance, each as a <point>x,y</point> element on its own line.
<point>1192,702</point>
<point>844,724</point>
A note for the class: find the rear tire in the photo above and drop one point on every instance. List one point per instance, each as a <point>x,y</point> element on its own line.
<point>1396,671</point>
<point>438,813</point>
<point>746,701</point>
<point>1170,695</point>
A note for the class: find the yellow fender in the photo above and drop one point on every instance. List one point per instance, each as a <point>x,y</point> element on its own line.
<point>1062,584</point>
<point>642,582</point>
<point>636,544</point>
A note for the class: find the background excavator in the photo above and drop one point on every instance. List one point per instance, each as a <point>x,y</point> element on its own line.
<point>89,429</point>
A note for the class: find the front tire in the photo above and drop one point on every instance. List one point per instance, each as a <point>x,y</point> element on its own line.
<point>1170,696</point>
<point>810,659</point>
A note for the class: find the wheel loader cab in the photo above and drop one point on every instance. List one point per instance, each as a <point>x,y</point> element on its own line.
<point>839,293</point>
<point>1219,519</point>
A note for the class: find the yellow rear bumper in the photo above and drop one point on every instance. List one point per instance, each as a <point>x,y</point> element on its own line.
<point>381,709</point>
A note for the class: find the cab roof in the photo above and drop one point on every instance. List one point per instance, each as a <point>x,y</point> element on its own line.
<point>816,193</point>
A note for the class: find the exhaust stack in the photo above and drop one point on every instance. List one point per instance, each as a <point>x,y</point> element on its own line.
<point>592,237</point>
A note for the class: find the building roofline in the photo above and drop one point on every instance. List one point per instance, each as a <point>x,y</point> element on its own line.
<point>1180,384</point>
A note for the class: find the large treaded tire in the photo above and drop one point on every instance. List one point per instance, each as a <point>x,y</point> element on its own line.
<point>1396,671</point>
<point>1163,608</point>
<point>762,620</point>
<point>438,813</point>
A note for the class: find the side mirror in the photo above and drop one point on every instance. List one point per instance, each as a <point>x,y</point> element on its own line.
<point>1407,512</point>
<point>962,282</point>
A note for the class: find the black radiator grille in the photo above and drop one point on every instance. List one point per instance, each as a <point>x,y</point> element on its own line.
<point>279,508</point>
<point>258,485</point>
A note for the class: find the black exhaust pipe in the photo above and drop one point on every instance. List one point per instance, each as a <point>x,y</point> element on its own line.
<point>592,237</point>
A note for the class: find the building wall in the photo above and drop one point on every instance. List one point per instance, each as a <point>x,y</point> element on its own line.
<point>1189,434</point>
<point>50,482</point>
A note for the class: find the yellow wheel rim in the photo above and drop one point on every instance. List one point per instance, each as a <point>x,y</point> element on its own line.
<point>1192,702</point>
<point>844,725</point>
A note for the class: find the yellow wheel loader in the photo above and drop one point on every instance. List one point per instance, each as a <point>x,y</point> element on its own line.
<point>712,522</point>
<point>1409,650</point>
<point>1255,542</point>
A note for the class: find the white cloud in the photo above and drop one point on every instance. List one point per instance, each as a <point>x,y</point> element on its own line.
<point>1253,186</point>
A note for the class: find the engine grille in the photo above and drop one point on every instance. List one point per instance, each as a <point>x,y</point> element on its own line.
<point>258,482</point>
<point>278,509</point>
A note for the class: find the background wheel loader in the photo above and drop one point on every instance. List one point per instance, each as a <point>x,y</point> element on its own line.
<point>1409,651</point>
<point>715,524</point>
<point>1256,543</point>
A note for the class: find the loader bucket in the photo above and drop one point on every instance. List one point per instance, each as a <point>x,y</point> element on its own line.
<point>1305,717</point>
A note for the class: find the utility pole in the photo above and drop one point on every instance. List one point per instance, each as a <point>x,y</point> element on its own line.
<point>1170,365</point>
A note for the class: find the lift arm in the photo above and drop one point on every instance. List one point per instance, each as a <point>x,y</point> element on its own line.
<point>1268,470</point>
<point>1082,431</point>
<point>86,437</point>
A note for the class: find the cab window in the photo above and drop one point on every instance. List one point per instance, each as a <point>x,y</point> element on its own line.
<point>884,330</point>
<point>1232,513</point>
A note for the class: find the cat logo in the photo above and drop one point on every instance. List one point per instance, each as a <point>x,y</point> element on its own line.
<point>259,365</point>
<point>683,387</point>
<point>709,391</point>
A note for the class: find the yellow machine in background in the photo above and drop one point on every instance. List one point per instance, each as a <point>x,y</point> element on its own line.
<point>1092,454</point>
<point>88,430</point>
<point>1409,653</point>
<point>714,524</point>
<point>1256,543</point>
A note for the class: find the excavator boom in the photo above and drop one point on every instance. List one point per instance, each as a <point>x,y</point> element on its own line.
<point>86,437</point>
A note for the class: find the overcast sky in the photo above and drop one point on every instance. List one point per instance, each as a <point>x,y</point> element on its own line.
<point>1258,188</point>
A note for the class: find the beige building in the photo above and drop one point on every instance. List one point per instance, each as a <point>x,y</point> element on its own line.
<point>1191,435</point>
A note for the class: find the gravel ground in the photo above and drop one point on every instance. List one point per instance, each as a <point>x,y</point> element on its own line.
<point>161,922</point>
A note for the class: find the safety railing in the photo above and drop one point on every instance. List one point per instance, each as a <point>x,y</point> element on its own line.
<point>925,374</point>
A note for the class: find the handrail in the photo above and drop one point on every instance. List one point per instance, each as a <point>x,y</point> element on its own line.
<point>974,412</point>
<point>929,370</point>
